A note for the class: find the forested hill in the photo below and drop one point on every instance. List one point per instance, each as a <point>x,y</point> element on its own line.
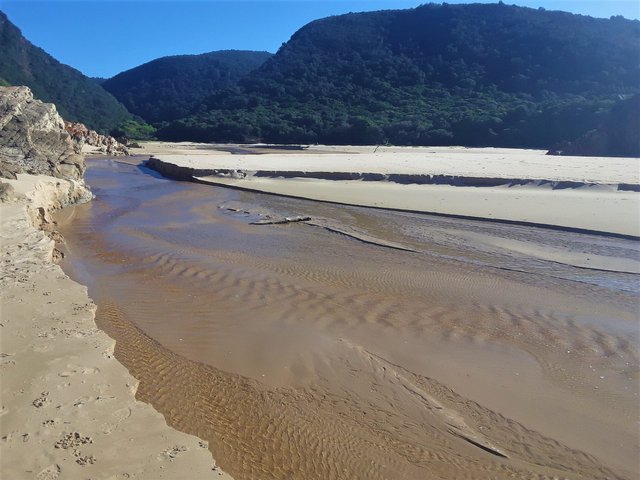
<point>479,74</point>
<point>170,87</point>
<point>77,97</point>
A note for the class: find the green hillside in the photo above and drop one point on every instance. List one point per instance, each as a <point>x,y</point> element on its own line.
<point>171,87</point>
<point>479,74</point>
<point>618,134</point>
<point>77,97</point>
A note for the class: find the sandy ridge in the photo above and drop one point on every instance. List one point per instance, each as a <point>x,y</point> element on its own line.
<point>591,195</point>
<point>459,162</point>
<point>68,408</point>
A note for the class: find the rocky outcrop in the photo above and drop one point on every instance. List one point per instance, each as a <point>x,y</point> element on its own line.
<point>33,138</point>
<point>84,139</point>
<point>7,194</point>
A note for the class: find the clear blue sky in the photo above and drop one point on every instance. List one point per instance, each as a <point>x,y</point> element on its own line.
<point>102,38</point>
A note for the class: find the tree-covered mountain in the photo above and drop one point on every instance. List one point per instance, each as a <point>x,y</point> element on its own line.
<point>478,74</point>
<point>617,135</point>
<point>77,97</point>
<point>170,87</point>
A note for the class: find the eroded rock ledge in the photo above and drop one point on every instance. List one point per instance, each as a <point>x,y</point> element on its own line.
<point>33,138</point>
<point>90,141</point>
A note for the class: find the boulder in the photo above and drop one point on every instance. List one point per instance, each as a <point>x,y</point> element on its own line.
<point>33,138</point>
<point>84,139</point>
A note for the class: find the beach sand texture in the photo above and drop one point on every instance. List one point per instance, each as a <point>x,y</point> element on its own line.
<point>68,406</point>
<point>584,193</point>
<point>364,343</point>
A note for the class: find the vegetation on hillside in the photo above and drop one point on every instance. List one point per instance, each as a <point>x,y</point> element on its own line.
<point>77,97</point>
<point>617,135</point>
<point>170,87</point>
<point>134,130</point>
<point>480,74</point>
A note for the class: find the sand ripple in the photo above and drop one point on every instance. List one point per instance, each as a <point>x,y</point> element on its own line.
<point>411,428</point>
<point>299,352</point>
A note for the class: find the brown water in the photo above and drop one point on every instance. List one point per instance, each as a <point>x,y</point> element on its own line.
<point>298,352</point>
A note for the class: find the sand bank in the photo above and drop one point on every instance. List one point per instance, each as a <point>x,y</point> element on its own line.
<point>68,408</point>
<point>523,186</point>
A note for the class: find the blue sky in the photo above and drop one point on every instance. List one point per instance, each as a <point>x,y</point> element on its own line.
<point>102,38</point>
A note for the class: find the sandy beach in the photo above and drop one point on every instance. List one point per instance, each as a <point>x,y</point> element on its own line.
<point>527,186</point>
<point>363,343</point>
<point>68,407</point>
<point>358,342</point>
<point>229,252</point>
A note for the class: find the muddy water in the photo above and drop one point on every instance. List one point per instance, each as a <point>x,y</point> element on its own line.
<point>471,350</point>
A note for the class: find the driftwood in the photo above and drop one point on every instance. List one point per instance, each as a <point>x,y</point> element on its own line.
<point>281,221</point>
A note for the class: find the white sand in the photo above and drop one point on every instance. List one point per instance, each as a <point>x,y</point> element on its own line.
<point>587,208</point>
<point>454,161</point>
<point>597,204</point>
<point>68,409</point>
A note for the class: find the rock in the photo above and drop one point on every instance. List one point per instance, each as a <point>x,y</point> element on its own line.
<point>8,171</point>
<point>33,138</point>
<point>67,171</point>
<point>71,440</point>
<point>83,137</point>
<point>7,193</point>
<point>74,159</point>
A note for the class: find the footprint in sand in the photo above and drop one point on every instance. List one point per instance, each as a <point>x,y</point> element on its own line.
<point>171,453</point>
<point>41,400</point>
<point>120,415</point>
<point>108,428</point>
<point>50,473</point>
<point>73,369</point>
<point>72,440</point>
<point>83,460</point>
<point>52,422</point>
<point>101,388</point>
<point>43,348</point>
<point>4,358</point>
<point>81,401</point>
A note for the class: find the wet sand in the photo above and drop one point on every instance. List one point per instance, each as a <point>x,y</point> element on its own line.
<point>67,406</point>
<point>474,350</point>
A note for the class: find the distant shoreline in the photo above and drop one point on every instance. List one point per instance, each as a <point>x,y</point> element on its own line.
<point>575,194</point>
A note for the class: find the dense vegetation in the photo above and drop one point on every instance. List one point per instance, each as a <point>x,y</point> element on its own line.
<point>77,98</point>
<point>480,74</point>
<point>617,135</point>
<point>134,130</point>
<point>170,87</point>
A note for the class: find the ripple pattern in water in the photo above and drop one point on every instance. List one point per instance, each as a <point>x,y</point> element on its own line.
<point>300,353</point>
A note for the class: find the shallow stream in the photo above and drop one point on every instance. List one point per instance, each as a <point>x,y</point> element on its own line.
<point>372,344</point>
